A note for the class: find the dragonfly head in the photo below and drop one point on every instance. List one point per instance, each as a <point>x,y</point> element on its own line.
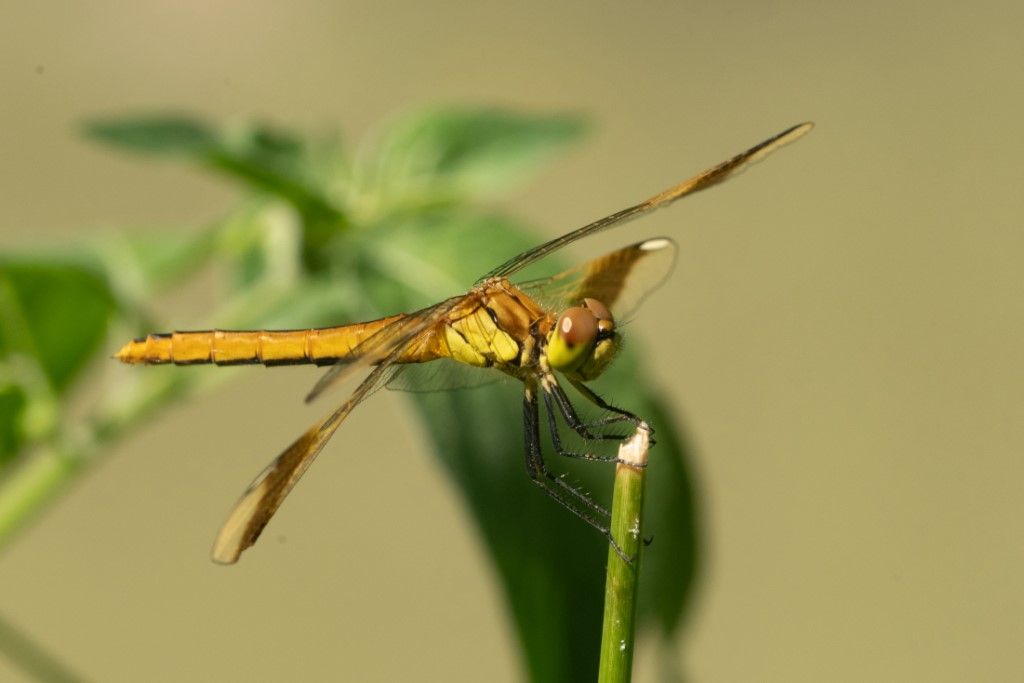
<point>583,341</point>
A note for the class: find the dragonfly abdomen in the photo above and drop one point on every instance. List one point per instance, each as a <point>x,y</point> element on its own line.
<point>321,346</point>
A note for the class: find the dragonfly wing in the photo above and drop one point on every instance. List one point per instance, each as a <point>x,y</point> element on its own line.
<point>620,279</point>
<point>382,344</point>
<point>701,181</point>
<point>442,374</point>
<point>265,494</point>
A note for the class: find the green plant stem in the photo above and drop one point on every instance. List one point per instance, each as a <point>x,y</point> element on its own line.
<point>42,478</point>
<point>30,657</point>
<point>45,474</point>
<point>617,636</point>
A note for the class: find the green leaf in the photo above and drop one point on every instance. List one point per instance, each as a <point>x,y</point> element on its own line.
<point>12,407</point>
<point>150,262</point>
<point>263,158</point>
<point>467,151</point>
<point>157,134</point>
<point>55,313</point>
<point>272,161</point>
<point>551,563</point>
<point>425,246</point>
<point>274,143</point>
<point>438,254</point>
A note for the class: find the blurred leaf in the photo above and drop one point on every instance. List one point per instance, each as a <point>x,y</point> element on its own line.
<point>315,302</point>
<point>551,563</point>
<point>425,244</point>
<point>146,263</point>
<point>12,406</point>
<point>167,134</point>
<point>275,143</point>
<point>56,313</point>
<point>263,158</point>
<point>438,254</point>
<point>164,259</point>
<point>262,242</point>
<point>467,151</point>
<point>276,169</point>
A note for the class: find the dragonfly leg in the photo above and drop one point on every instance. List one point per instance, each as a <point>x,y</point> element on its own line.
<point>565,407</point>
<point>619,414</point>
<point>552,390</point>
<point>556,437</point>
<point>565,494</point>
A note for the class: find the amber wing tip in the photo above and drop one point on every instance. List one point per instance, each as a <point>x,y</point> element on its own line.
<point>801,129</point>
<point>224,560</point>
<point>226,549</point>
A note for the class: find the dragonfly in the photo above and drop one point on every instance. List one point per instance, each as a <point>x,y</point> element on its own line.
<point>536,332</point>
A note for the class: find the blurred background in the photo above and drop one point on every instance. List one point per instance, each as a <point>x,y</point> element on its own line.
<point>841,338</point>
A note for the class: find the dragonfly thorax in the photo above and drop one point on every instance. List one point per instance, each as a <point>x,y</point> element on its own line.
<point>583,341</point>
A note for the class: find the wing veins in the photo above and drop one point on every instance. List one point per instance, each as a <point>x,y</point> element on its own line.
<point>703,180</point>
<point>382,343</point>
<point>261,500</point>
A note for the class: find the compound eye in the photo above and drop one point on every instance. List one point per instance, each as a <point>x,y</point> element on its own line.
<point>577,327</point>
<point>573,339</point>
<point>599,310</point>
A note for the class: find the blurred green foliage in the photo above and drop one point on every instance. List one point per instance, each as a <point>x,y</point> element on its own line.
<point>324,235</point>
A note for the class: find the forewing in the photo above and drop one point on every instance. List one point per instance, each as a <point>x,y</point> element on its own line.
<point>701,181</point>
<point>385,342</point>
<point>442,374</point>
<point>265,494</point>
<point>620,279</point>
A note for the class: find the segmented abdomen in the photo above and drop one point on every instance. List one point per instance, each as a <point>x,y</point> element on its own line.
<point>321,346</point>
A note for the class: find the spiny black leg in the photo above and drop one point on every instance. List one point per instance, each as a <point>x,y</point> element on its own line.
<point>541,475</point>
<point>575,492</point>
<point>620,413</point>
<point>572,419</point>
<point>566,495</point>
<point>556,437</point>
<point>591,396</point>
<point>538,468</point>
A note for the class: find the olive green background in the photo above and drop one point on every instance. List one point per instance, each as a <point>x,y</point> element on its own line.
<point>842,337</point>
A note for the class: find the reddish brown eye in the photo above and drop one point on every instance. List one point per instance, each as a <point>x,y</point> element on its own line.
<point>599,310</point>
<point>577,326</point>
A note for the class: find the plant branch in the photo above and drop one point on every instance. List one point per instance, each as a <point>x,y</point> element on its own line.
<point>31,658</point>
<point>617,636</point>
